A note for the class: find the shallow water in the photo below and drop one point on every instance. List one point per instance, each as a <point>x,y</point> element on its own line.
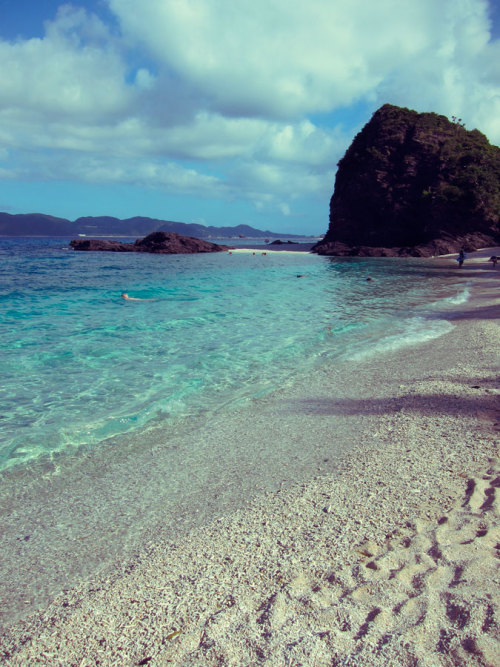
<point>118,416</point>
<point>79,364</point>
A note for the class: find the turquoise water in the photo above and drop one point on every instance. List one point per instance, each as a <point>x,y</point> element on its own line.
<point>128,422</point>
<point>79,364</point>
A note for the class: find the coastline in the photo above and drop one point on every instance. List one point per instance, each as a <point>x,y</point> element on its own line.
<point>271,248</point>
<point>387,559</point>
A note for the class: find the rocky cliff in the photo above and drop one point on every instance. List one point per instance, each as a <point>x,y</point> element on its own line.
<point>414,184</point>
<point>157,242</point>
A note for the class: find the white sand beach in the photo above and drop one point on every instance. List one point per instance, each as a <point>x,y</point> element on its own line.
<point>391,559</point>
<point>284,249</point>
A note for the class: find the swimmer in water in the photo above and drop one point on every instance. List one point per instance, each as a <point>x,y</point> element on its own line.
<point>133,298</point>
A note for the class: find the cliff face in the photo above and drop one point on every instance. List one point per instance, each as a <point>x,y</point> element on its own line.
<point>414,184</point>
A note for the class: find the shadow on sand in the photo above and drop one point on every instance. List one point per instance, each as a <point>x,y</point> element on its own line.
<point>481,400</point>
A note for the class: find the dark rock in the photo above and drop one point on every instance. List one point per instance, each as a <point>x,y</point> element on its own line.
<point>170,243</point>
<point>101,244</point>
<point>157,242</point>
<point>280,242</point>
<point>414,184</point>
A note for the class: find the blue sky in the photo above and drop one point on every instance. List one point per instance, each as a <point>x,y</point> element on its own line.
<point>222,112</point>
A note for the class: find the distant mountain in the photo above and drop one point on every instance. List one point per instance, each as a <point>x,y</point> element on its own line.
<point>38,224</point>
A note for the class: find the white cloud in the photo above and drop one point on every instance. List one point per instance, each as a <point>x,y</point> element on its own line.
<point>274,59</point>
<point>292,57</point>
<point>62,75</point>
<point>8,174</point>
<point>144,79</point>
<point>148,173</point>
<point>303,142</point>
<point>459,75</point>
<point>219,98</point>
<point>207,137</point>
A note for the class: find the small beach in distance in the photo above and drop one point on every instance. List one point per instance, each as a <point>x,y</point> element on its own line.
<point>331,499</point>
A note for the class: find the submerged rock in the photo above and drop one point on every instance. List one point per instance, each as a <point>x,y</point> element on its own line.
<point>414,184</point>
<point>157,242</point>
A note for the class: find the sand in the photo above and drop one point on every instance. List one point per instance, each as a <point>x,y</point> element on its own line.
<point>285,249</point>
<point>391,559</point>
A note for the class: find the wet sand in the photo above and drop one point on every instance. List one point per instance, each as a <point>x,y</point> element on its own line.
<point>387,556</point>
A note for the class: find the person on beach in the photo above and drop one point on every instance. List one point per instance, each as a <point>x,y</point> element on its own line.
<point>461,258</point>
<point>494,260</point>
<point>133,298</point>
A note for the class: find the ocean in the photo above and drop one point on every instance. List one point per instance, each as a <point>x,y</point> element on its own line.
<point>93,384</point>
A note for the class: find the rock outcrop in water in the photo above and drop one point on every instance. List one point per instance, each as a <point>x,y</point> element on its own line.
<point>157,242</point>
<point>414,184</point>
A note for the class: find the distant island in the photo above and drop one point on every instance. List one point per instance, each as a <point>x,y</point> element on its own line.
<point>38,224</point>
<point>414,184</point>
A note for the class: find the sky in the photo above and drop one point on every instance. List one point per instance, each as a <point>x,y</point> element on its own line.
<point>222,112</point>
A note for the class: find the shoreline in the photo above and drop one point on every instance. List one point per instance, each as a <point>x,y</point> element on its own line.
<point>316,571</point>
<point>270,248</point>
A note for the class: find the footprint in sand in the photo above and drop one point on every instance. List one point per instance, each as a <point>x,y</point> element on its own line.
<point>428,597</point>
<point>431,591</point>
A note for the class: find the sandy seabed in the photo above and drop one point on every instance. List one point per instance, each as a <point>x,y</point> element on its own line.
<point>392,560</point>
